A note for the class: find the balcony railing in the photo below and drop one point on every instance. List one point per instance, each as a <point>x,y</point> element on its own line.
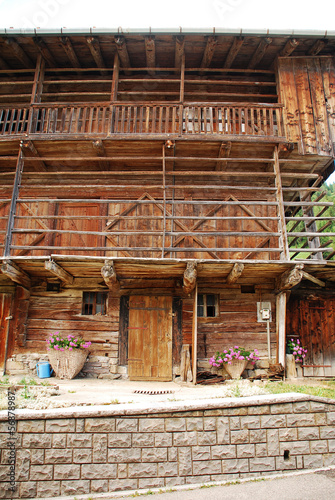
<point>261,120</point>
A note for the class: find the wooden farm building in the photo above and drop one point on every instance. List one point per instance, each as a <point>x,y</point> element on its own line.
<point>161,192</point>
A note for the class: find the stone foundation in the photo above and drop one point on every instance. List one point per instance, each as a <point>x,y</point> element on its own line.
<point>74,451</point>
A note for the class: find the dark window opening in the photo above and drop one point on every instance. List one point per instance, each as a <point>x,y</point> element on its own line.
<point>94,303</point>
<point>247,289</point>
<point>207,305</point>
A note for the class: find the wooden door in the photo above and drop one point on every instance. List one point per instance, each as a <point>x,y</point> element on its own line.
<point>150,338</point>
<point>5,308</point>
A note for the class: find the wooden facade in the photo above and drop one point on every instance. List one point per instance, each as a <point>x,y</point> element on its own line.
<point>157,189</point>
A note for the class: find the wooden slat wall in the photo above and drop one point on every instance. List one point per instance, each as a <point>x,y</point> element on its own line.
<point>236,324</point>
<point>62,312</point>
<point>307,91</point>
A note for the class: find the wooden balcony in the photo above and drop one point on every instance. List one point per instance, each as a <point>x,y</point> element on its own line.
<point>261,121</point>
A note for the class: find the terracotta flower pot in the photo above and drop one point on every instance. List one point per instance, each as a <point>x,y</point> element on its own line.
<point>236,368</point>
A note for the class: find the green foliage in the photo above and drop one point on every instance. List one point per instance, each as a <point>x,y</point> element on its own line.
<point>327,241</point>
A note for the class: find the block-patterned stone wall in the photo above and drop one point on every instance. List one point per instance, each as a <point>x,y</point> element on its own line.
<point>98,449</point>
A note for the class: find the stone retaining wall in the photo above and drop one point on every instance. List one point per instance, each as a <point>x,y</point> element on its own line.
<point>87,450</point>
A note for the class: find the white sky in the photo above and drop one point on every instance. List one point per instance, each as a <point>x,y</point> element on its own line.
<point>257,14</point>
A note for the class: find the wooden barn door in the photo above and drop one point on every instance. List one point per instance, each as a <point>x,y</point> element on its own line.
<point>150,338</point>
<point>313,320</point>
<point>5,308</point>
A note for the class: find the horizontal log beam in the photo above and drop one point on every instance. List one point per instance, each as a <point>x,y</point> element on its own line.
<point>235,273</point>
<point>312,278</point>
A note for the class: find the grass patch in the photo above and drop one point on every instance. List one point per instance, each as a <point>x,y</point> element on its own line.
<point>4,380</point>
<point>323,389</point>
<point>25,381</point>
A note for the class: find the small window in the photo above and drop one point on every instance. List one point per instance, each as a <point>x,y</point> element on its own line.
<point>207,305</point>
<point>94,303</point>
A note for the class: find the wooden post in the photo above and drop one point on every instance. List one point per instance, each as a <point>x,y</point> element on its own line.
<point>164,202</point>
<point>195,335</point>
<point>15,195</point>
<point>279,194</point>
<point>114,90</point>
<point>182,78</point>
<point>281,328</point>
<point>36,91</point>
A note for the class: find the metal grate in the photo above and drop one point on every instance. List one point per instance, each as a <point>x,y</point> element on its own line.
<point>153,393</point>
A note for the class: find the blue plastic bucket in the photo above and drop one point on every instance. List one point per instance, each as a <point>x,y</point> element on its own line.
<point>44,369</point>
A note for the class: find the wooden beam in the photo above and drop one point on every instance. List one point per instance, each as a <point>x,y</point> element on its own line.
<point>67,46</point>
<point>317,47</point>
<point>16,274</point>
<point>38,81</point>
<point>122,51</point>
<point>190,277</point>
<point>290,47</point>
<point>150,53</point>
<point>3,64</point>
<point>233,51</point>
<point>94,46</point>
<point>179,52</point>
<point>235,273</point>
<point>208,52</point>
<point>19,52</point>
<point>195,335</point>
<point>281,328</point>
<point>281,211</point>
<point>109,275</point>
<point>289,278</point>
<point>99,148</point>
<point>313,279</point>
<point>57,270</point>
<point>225,150</point>
<point>29,151</point>
<point>259,52</point>
<point>45,52</point>
<point>115,81</point>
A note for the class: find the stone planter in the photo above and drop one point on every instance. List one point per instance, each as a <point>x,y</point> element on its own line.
<point>236,368</point>
<point>67,364</point>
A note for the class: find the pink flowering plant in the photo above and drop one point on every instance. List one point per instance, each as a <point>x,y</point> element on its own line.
<point>68,343</point>
<point>236,352</point>
<point>299,352</point>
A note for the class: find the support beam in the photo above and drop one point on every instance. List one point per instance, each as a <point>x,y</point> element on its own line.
<point>16,274</point>
<point>233,51</point>
<point>115,81</point>
<point>235,273</point>
<point>281,328</point>
<point>289,278</point>
<point>317,47</point>
<point>29,151</point>
<point>285,255</point>
<point>290,47</point>
<point>179,52</point>
<point>195,336</point>
<point>19,52</point>
<point>190,277</point>
<point>67,46</point>
<point>312,278</point>
<point>150,53</point>
<point>99,148</point>
<point>121,47</point>
<point>94,46</point>
<point>3,64</point>
<point>57,270</point>
<point>208,52</point>
<point>259,52</point>
<point>225,150</point>
<point>38,81</point>
<point>13,203</point>
<point>45,52</point>
<point>109,275</point>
